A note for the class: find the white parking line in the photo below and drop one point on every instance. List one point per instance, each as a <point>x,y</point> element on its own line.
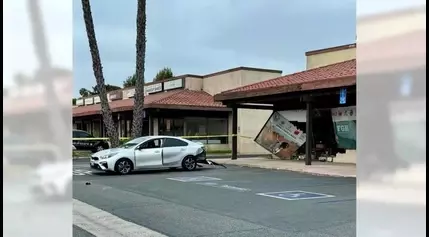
<point>81,172</point>
<point>102,223</point>
<point>194,179</point>
<point>225,186</point>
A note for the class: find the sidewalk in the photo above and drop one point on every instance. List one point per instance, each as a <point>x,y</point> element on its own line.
<point>317,168</point>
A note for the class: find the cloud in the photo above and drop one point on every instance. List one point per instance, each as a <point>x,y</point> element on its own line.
<point>202,37</point>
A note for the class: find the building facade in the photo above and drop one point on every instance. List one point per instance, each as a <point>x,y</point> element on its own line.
<point>308,99</point>
<point>183,106</point>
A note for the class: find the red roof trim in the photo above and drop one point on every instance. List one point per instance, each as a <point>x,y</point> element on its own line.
<point>178,98</point>
<point>293,82</point>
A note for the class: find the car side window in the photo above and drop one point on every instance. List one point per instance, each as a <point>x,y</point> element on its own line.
<point>82,134</point>
<point>171,142</point>
<point>155,143</point>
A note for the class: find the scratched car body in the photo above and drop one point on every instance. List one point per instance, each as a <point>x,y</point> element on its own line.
<point>150,152</point>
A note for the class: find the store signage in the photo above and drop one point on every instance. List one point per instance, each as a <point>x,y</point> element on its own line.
<point>174,84</point>
<point>89,101</point>
<point>129,93</point>
<point>344,120</point>
<point>79,102</point>
<point>97,100</point>
<point>115,95</point>
<point>153,88</point>
<point>280,137</point>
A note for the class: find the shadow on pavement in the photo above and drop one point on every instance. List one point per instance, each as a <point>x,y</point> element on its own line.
<point>157,171</point>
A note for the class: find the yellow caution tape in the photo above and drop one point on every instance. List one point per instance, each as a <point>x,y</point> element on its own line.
<point>186,137</point>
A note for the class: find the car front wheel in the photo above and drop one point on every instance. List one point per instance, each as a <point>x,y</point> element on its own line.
<point>189,163</point>
<point>124,166</point>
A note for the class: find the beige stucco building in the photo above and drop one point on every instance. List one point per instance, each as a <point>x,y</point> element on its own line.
<point>184,106</point>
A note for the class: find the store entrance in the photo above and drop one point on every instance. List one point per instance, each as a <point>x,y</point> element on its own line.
<point>324,142</point>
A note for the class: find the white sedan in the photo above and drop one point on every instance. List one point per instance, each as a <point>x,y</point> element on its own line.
<point>150,152</point>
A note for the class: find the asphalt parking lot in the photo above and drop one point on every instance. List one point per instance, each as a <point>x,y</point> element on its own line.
<point>214,201</point>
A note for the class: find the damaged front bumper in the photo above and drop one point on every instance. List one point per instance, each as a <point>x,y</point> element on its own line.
<point>202,159</point>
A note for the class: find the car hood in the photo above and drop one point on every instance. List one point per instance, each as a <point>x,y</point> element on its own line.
<point>108,151</point>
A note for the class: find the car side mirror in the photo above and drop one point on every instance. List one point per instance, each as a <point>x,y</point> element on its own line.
<point>141,147</point>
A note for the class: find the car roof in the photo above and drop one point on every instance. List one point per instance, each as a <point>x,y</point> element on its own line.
<point>165,136</point>
<point>162,136</point>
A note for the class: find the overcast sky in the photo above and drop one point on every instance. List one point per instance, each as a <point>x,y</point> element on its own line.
<point>202,37</point>
<point>195,36</point>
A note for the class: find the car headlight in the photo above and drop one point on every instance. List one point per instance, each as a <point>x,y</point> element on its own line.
<point>108,155</point>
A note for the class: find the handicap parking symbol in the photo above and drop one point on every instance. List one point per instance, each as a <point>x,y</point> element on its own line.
<point>295,195</point>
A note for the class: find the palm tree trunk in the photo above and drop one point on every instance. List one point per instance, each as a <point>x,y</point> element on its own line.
<point>112,132</point>
<point>138,111</point>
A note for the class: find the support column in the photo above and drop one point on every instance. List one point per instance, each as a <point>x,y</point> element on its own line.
<point>102,134</point>
<point>234,132</point>
<point>309,131</point>
<point>150,126</point>
<point>119,125</point>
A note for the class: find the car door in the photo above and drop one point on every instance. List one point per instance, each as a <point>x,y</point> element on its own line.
<point>149,154</point>
<point>173,151</point>
<point>83,144</point>
<point>88,144</point>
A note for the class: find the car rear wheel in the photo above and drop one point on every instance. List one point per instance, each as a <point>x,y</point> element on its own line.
<point>189,163</point>
<point>123,166</point>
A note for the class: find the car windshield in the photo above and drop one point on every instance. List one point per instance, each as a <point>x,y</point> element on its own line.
<point>134,142</point>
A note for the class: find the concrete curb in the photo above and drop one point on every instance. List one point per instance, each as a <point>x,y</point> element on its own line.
<point>81,157</point>
<point>293,170</point>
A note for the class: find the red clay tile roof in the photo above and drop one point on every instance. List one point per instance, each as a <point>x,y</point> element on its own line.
<point>171,98</point>
<point>323,77</point>
<point>189,98</point>
<point>329,72</point>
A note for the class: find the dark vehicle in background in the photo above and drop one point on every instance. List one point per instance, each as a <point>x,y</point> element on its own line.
<point>90,144</point>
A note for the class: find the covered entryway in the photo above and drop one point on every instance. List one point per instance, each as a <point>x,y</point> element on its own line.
<point>312,90</point>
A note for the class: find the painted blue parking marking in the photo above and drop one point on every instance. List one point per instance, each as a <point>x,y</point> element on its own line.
<point>295,195</point>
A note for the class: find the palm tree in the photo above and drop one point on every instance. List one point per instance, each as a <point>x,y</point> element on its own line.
<point>138,111</point>
<point>112,132</point>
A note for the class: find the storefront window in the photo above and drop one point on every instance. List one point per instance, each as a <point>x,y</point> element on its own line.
<point>196,127</point>
<point>217,126</point>
<point>128,123</point>
<point>171,127</point>
<point>78,125</point>
<point>96,132</point>
<point>123,129</point>
<point>207,127</point>
<point>87,126</point>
